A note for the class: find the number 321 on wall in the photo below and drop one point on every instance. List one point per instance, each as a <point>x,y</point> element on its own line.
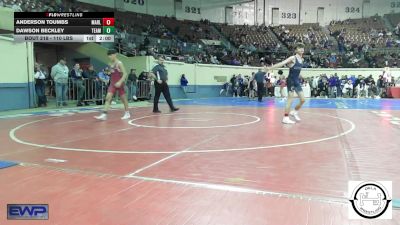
<point>194,10</point>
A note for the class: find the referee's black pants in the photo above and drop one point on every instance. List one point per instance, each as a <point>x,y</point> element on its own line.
<point>164,89</point>
<point>260,90</point>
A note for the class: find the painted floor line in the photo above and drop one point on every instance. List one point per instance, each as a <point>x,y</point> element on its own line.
<point>13,137</point>
<point>221,187</point>
<point>171,156</point>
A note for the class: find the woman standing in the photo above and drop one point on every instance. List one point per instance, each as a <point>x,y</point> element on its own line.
<point>295,63</point>
<point>40,86</point>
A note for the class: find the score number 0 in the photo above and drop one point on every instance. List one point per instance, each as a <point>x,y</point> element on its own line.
<point>108,21</point>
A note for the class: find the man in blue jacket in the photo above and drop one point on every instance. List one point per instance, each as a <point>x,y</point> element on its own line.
<point>332,86</point>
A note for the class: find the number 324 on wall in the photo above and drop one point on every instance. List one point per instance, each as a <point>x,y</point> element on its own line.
<point>352,10</point>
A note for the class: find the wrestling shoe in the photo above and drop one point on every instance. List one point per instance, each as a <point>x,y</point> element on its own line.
<point>126,116</point>
<point>287,120</point>
<point>103,116</point>
<point>295,114</point>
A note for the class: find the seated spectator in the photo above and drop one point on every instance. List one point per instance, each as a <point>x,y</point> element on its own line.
<point>214,60</point>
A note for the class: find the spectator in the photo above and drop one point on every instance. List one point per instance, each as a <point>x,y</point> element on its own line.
<point>356,85</point>
<point>90,74</point>
<point>340,86</point>
<point>59,73</point>
<point>234,86</point>
<point>224,88</point>
<point>101,83</point>
<point>282,85</point>
<point>314,86</point>
<point>392,82</point>
<point>387,75</point>
<point>380,85</point>
<point>348,89</point>
<point>213,60</point>
<point>260,79</point>
<point>240,84</point>
<point>143,76</point>
<point>252,87</point>
<point>40,85</point>
<point>397,83</point>
<point>78,82</point>
<point>271,86</point>
<point>184,84</point>
<point>332,86</point>
<point>332,60</point>
<point>362,89</point>
<point>17,7</point>
<point>323,88</point>
<point>372,90</point>
<point>132,85</point>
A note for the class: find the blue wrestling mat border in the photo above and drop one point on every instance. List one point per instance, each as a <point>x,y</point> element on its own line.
<point>6,164</point>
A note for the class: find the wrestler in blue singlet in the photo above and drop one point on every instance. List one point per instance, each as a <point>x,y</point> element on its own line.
<point>293,80</point>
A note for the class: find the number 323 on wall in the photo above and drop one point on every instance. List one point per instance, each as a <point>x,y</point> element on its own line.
<point>288,15</point>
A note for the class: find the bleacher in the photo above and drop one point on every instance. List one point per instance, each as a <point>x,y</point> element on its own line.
<point>190,31</point>
<point>394,18</point>
<point>182,38</point>
<point>258,36</point>
<point>371,31</point>
<point>310,34</point>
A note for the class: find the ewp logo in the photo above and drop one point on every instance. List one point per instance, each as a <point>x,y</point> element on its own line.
<point>27,212</point>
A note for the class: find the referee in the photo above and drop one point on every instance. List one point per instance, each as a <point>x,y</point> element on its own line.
<point>161,86</point>
<point>260,78</point>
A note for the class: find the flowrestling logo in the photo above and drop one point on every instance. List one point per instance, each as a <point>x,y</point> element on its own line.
<point>371,200</point>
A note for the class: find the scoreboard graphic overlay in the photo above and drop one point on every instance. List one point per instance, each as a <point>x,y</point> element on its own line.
<point>64,27</point>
